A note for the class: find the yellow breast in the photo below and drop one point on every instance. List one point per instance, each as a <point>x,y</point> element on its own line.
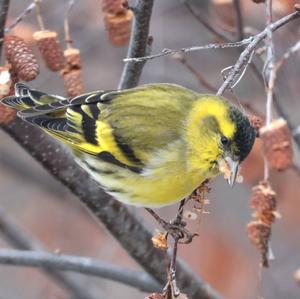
<point>166,180</point>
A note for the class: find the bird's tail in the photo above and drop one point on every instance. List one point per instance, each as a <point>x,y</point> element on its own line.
<point>30,102</point>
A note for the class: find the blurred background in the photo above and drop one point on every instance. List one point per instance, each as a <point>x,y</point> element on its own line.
<point>222,254</point>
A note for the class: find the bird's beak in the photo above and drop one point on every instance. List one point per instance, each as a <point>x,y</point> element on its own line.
<point>234,167</point>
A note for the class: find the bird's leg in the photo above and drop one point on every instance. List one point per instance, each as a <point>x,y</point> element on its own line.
<point>175,228</point>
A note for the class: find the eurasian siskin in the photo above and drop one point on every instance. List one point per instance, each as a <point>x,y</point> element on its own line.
<point>147,146</point>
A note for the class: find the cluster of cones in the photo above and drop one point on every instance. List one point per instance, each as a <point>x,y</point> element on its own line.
<point>277,147</point>
<point>22,63</point>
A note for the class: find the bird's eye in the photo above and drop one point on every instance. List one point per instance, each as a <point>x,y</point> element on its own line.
<point>224,140</point>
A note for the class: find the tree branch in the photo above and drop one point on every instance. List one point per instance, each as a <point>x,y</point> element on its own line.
<point>83,265</point>
<point>21,240</point>
<point>169,52</point>
<point>244,57</point>
<point>138,43</point>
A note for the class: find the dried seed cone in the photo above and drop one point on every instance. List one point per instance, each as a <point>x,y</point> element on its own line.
<point>256,122</point>
<point>259,234</point>
<point>160,241</point>
<point>277,144</point>
<point>72,73</point>
<point>113,6</point>
<point>263,198</point>
<point>73,83</point>
<point>72,58</point>
<point>50,49</point>
<point>21,57</point>
<point>119,27</point>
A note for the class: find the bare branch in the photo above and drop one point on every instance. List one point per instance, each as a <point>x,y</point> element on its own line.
<point>21,240</point>
<point>138,43</point>
<point>168,52</point>
<point>244,57</point>
<point>83,265</point>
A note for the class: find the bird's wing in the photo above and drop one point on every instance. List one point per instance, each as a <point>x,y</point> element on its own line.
<point>120,127</point>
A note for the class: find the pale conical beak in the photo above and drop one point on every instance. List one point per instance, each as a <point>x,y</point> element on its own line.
<point>234,168</point>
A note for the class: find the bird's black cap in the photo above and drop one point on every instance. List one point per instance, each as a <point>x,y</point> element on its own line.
<point>245,134</point>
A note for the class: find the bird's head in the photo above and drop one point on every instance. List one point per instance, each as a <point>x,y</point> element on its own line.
<point>224,135</point>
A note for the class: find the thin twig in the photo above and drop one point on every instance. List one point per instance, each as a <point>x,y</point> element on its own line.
<point>18,238</point>
<point>39,15</point>
<point>138,43</point>
<point>239,19</point>
<point>68,38</point>
<point>269,74</point>
<point>83,265</point>
<point>244,57</point>
<point>292,50</point>
<point>168,52</point>
<point>21,17</point>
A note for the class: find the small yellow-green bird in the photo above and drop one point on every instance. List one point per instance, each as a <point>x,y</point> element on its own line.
<point>147,146</point>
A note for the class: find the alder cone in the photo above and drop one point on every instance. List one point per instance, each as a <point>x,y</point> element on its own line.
<point>21,58</point>
<point>73,83</point>
<point>118,27</point>
<point>277,144</point>
<point>263,198</point>
<point>72,73</point>
<point>113,6</point>
<point>72,58</point>
<point>50,49</point>
<point>259,234</point>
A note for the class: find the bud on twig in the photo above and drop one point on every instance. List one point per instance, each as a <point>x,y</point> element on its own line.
<point>21,57</point>
<point>50,49</point>
<point>277,144</point>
